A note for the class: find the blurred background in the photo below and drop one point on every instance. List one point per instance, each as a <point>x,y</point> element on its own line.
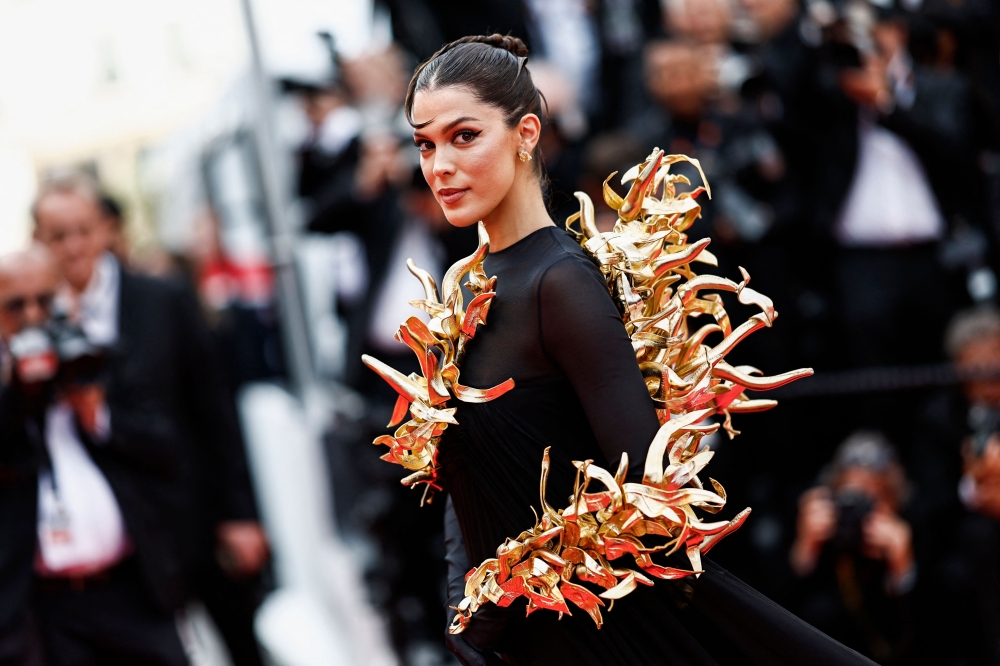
<point>256,151</point>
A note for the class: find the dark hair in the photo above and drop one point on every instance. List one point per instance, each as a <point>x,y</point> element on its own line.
<point>491,67</point>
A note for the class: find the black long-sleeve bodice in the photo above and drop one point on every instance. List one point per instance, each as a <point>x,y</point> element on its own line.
<point>555,330</point>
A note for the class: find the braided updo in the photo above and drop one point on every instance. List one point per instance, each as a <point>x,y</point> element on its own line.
<point>490,66</point>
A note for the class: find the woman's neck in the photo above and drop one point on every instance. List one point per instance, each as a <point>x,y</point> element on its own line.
<point>521,213</point>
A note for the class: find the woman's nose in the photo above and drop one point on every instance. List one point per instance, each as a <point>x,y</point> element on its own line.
<point>443,165</point>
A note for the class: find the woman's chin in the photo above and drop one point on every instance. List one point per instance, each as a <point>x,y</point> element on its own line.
<point>461,218</point>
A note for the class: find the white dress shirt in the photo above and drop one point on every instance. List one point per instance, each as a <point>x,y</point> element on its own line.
<point>99,303</point>
<point>890,202</point>
<point>80,526</point>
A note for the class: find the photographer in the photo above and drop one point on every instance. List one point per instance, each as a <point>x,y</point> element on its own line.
<point>962,595</point>
<point>854,552</point>
<point>888,167</point>
<point>172,453</point>
<point>66,509</point>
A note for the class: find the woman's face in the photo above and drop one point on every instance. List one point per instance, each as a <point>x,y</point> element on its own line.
<point>467,153</point>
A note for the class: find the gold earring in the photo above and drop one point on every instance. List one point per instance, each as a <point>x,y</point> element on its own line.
<point>524,155</point>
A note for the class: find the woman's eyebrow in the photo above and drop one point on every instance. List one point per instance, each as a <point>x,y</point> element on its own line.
<point>419,126</point>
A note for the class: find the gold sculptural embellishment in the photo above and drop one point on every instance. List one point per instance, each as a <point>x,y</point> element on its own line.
<point>440,346</point>
<point>646,260</point>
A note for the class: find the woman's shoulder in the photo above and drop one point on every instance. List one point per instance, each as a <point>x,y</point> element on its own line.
<point>549,256</point>
<point>568,272</point>
<point>564,257</point>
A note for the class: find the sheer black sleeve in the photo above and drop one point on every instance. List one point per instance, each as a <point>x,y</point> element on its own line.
<point>582,333</point>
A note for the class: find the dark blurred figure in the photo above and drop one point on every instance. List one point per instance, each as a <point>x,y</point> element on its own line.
<point>424,26</point>
<point>561,145</point>
<point>28,283</point>
<point>237,297</point>
<point>854,552</point>
<point>74,511</point>
<point>961,599</point>
<point>694,114</point>
<point>330,153</point>
<point>186,494</point>
<point>624,27</point>
<point>889,175</point>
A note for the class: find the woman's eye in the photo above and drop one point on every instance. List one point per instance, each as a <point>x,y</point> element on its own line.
<point>465,136</point>
<point>423,146</point>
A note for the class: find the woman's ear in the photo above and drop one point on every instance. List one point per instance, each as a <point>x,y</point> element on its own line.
<point>530,129</point>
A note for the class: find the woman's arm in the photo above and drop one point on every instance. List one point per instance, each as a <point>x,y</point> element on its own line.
<point>582,334</point>
<point>474,646</point>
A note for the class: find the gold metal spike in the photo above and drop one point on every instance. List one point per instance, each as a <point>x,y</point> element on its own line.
<point>438,347</point>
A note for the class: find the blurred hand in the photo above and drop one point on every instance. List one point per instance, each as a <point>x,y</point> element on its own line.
<point>86,401</point>
<point>468,655</point>
<point>816,524</point>
<point>984,470</point>
<point>868,86</point>
<point>382,165</point>
<point>243,547</point>
<point>889,538</point>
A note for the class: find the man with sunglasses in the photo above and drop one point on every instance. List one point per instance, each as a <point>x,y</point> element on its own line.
<point>74,524</point>
<point>28,281</point>
<point>161,429</point>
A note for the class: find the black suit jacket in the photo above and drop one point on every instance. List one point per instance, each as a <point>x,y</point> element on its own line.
<point>175,458</point>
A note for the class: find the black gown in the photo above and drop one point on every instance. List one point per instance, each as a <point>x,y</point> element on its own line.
<point>554,329</point>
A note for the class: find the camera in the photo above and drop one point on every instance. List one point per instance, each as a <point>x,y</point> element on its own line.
<point>853,508</point>
<point>57,352</point>
<point>985,422</point>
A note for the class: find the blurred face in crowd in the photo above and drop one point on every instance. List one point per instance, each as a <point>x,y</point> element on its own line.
<point>28,282</point>
<point>680,77</point>
<point>378,77</point>
<point>319,104</point>
<point>981,355</point>
<point>890,37</point>
<point>468,154</point>
<point>71,225</point>
<point>771,16</point>
<point>705,21</point>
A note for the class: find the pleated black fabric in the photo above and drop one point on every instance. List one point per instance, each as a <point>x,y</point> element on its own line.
<point>554,329</point>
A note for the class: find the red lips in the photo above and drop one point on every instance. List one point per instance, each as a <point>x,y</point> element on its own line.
<point>451,195</point>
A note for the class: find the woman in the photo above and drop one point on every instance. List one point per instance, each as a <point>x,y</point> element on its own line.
<point>554,329</point>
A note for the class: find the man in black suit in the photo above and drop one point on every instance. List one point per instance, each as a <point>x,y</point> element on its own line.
<point>76,517</point>
<point>888,157</point>
<point>172,450</point>
<point>27,286</point>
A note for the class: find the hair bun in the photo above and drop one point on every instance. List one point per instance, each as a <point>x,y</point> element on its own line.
<point>506,42</point>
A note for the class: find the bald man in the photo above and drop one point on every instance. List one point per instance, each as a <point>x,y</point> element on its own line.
<point>75,516</point>
<point>28,282</point>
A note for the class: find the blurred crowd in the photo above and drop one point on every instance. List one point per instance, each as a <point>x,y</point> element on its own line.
<point>853,153</point>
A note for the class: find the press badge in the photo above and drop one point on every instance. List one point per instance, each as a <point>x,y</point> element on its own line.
<point>53,519</point>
